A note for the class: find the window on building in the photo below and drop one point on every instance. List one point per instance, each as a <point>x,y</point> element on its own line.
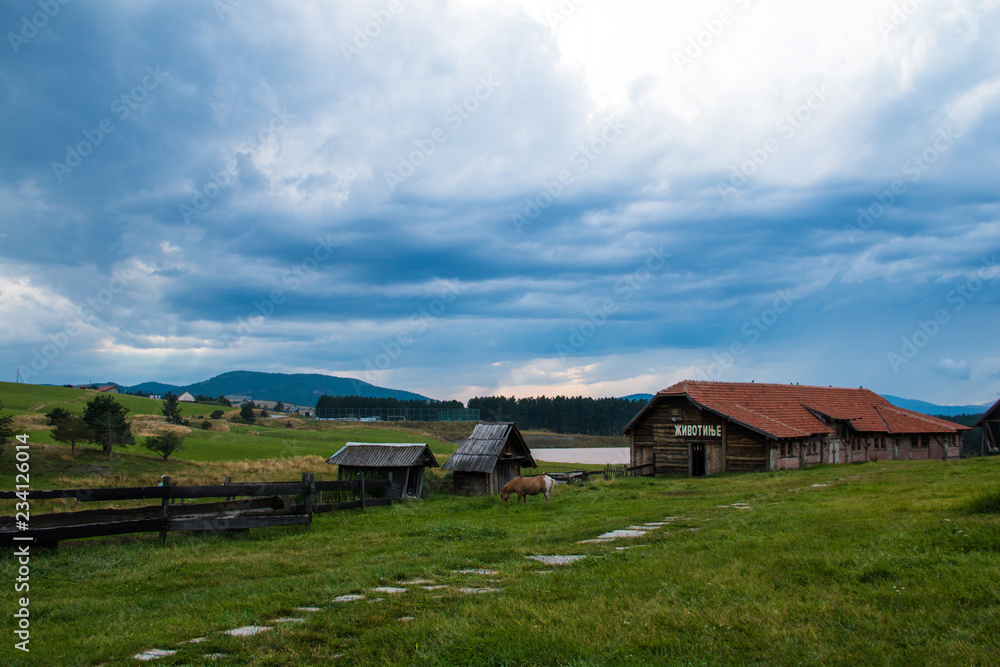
<point>675,412</point>
<point>923,440</point>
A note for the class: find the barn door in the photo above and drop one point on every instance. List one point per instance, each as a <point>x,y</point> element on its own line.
<point>697,459</point>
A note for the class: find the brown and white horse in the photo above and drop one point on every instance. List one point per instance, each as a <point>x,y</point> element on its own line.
<point>528,486</point>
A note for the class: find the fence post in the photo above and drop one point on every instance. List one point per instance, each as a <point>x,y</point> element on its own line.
<point>164,507</point>
<point>308,496</point>
<point>226,482</point>
<point>362,492</point>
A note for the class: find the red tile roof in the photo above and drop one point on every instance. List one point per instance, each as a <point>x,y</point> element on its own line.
<point>795,411</point>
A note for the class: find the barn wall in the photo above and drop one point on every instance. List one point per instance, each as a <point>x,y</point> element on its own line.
<point>746,451</point>
<point>471,483</point>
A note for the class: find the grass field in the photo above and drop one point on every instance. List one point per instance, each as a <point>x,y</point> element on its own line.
<point>888,563</point>
<point>855,564</point>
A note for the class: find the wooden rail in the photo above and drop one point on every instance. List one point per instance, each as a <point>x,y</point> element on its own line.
<point>612,470</point>
<point>264,504</point>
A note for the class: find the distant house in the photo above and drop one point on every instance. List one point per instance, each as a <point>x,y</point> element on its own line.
<point>701,428</point>
<point>489,458</point>
<point>186,397</point>
<point>402,463</point>
<point>109,389</point>
<point>990,422</point>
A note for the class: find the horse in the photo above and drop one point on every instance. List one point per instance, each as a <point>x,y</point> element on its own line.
<point>528,486</point>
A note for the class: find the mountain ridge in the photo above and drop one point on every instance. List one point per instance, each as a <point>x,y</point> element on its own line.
<point>295,388</point>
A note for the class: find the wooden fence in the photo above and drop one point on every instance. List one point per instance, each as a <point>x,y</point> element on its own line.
<point>262,505</point>
<point>622,470</point>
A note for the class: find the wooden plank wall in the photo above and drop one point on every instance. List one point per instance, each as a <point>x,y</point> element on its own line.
<point>745,450</point>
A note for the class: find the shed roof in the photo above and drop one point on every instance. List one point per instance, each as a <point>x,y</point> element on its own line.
<point>991,414</point>
<point>797,411</point>
<point>384,455</point>
<point>481,450</point>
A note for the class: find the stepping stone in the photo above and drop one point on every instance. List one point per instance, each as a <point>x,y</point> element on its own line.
<point>388,589</point>
<point>476,591</point>
<point>288,620</point>
<point>196,640</point>
<point>487,572</point>
<point>248,630</point>
<point>416,582</point>
<point>307,609</point>
<point>646,528</point>
<point>614,534</point>
<point>656,523</point>
<point>407,619</point>
<point>556,560</point>
<point>597,539</point>
<point>153,654</point>
<point>818,485</point>
<point>433,588</point>
<point>215,656</point>
<point>349,598</point>
<point>632,546</point>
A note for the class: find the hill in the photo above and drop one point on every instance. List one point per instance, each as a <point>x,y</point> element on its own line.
<point>935,409</point>
<point>297,388</point>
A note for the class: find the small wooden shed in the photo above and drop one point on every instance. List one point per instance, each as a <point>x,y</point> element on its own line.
<point>492,456</point>
<point>990,423</point>
<point>402,463</point>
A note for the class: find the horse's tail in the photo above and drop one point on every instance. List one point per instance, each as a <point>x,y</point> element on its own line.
<point>549,483</point>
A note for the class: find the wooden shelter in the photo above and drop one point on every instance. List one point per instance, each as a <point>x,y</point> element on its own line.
<point>990,423</point>
<point>402,463</point>
<point>489,458</point>
<point>700,428</point>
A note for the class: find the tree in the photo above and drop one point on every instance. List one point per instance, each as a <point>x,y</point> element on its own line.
<point>225,401</point>
<point>106,418</point>
<point>71,430</point>
<point>279,407</point>
<point>172,410</point>
<point>165,444</point>
<point>6,428</point>
<point>263,413</point>
<point>217,414</point>
<point>246,412</point>
<point>56,415</point>
<point>206,425</point>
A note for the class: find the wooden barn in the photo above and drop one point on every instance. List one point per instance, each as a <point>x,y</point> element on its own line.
<point>700,428</point>
<point>990,423</point>
<point>402,463</point>
<point>492,456</point>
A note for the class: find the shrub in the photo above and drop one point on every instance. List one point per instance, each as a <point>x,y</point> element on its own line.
<point>217,414</point>
<point>206,425</point>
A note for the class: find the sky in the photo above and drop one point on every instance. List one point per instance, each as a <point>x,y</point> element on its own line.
<point>468,198</point>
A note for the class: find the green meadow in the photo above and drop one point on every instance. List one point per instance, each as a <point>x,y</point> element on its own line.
<point>891,563</point>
